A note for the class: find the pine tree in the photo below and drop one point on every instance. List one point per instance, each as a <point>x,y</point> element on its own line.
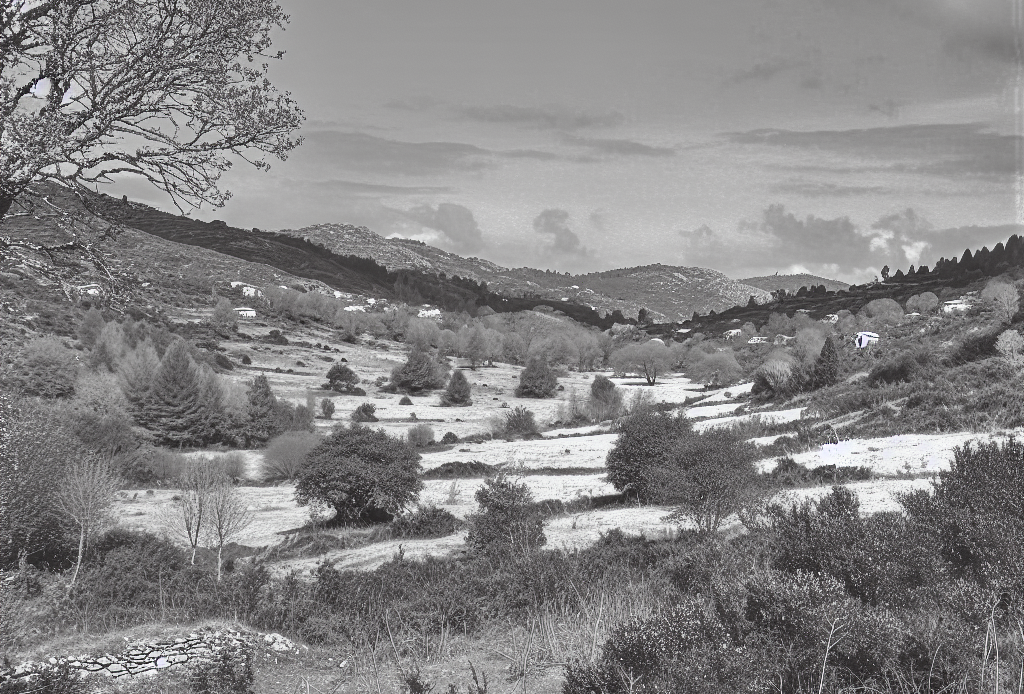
<point>457,394</point>
<point>261,413</point>
<point>182,404</point>
<point>826,369</point>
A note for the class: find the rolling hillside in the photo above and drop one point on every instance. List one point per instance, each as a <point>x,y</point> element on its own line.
<point>792,283</point>
<point>669,293</point>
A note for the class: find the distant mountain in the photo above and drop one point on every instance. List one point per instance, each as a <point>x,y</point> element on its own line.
<point>668,293</point>
<point>792,283</point>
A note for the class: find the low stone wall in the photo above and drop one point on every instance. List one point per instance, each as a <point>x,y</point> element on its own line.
<point>144,657</point>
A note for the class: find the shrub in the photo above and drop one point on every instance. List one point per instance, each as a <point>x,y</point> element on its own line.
<point>224,315</point>
<point>364,475</point>
<point>420,435</point>
<point>902,369</point>
<point>228,671</point>
<point>458,392</point>
<point>231,465</point>
<point>449,438</point>
<point>420,372</point>
<point>645,443</point>
<point>1003,298</point>
<point>457,469</point>
<point>426,521</point>
<point>45,367</point>
<point>1010,346</point>
<point>327,408</point>
<point>605,399</point>
<point>710,476</point>
<point>61,678</point>
<point>341,379</point>
<point>90,328</point>
<point>286,454</point>
<point>925,302</point>
<point>508,524</point>
<point>976,512</point>
<point>684,649</point>
<point>773,377</point>
<point>977,346</point>
<point>537,380</point>
<point>365,413</point>
<point>518,421</point>
<point>716,369</point>
<point>405,400</point>
<point>884,311</point>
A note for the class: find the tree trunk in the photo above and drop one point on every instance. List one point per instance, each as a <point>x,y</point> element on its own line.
<point>78,564</point>
<point>220,548</point>
<point>5,205</point>
<point>193,555</point>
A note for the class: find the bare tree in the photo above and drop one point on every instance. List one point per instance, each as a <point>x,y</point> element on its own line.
<point>84,498</point>
<point>187,519</point>
<point>95,90</point>
<point>228,516</point>
<point>1004,300</point>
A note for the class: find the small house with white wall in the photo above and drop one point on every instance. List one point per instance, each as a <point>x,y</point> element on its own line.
<point>757,340</point>
<point>783,339</point>
<point>956,305</point>
<point>90,289</point>
<point>865,339</point>
<point>831,318</point>
<point>732,334</point>
<point>245,312</point>
<point>429,313</point>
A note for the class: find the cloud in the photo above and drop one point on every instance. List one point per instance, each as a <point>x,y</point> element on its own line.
<point>762,72</point>
<point>413,103</point>
<point>359,189</point>
<point>554,223</point>
<point>456,222</point>
<point>619,147</point>
<point>946,149</point>
<point>536,117</point>
<point>353,151</point>
<point>913,238</point>
<point>811,189</point>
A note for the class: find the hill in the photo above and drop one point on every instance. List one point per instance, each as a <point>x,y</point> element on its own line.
<point>668,293</point>
<point>793,283</point>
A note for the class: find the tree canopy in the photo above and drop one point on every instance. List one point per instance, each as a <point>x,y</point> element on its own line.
<point>169,90</point>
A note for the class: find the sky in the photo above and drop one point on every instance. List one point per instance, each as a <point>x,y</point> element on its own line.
<point>748,136</point>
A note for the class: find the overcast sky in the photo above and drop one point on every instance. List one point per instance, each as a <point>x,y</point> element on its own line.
<point>750,136</point>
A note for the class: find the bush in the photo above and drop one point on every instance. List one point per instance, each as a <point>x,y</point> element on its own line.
<point>457,469</point>
<point>826,369</point>
<point>537,380</point>
<point>228,671</point>
<point>341,379</point>
<point>420,435</point>
<point>1010,346</point>
<point>405,400</point>
<point>710,476</point>
<point>366,412</point>
<point>605,399</point>
<point>645,443</point>
<point>925,302</point>
<point>716,369</point>
<point>61,678</point>
<point>977,346</point>
<point>518,421</point>
<point>286,454</point>
<point>449,438</point>
<point>364,475</point>
<point>884,311</point>
<point>772,377</point>
<point>426,521</point>
<point>685,649</point>
<point>327,408</point>
<point>458,392</point>
<point>903,368</point>
<point>420,372</point>
<point>976,512</point>
<point>46,368</point>
<point>508,524</point>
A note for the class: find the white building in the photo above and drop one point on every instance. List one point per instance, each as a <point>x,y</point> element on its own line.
<point>865,339</point>
<point>245,312</point>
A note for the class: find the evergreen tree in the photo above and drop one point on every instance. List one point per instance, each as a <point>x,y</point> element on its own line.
<point>261,413</point>
<point>537,380</point>
<point>182,406</point>
<point>826,369</point>
<point>90,327</point>
<point>457,394</point>
<point>420,372</point>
